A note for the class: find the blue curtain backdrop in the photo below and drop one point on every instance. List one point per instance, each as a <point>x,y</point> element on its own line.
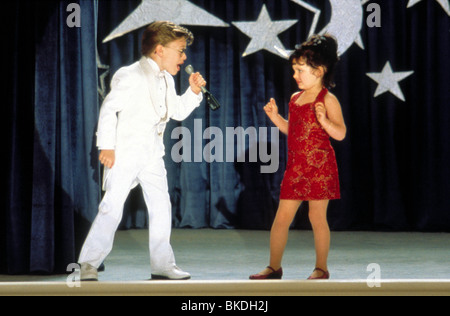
<point>393,164</point>
<point>51,172</point>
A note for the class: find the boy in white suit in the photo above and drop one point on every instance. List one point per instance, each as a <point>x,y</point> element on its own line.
<point>130,139</point>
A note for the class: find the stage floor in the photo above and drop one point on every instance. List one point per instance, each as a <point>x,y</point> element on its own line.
<point>220,262</point>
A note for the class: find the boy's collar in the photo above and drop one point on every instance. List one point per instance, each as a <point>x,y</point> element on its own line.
<point>155,67</point>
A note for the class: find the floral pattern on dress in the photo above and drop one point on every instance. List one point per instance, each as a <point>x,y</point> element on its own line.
<point>311,171</point>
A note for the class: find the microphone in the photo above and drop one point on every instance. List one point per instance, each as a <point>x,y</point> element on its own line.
<point>212,101</point>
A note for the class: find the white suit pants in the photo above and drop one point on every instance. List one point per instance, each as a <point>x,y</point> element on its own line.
<point>153,180</point>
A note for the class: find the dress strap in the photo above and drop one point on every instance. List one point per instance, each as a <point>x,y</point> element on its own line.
<point>321,96</point>
<point>295,98</point>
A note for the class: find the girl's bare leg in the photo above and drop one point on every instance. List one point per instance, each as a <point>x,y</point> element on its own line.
<point>321,230</point>
<point>280,231</point>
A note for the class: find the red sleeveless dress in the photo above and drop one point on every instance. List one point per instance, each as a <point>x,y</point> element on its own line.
<point>311,171</point>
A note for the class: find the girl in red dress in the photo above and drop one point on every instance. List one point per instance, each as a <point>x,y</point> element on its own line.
<point>311,174</point>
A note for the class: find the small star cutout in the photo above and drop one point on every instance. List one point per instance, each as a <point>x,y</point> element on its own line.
<point>388,81</point>
<point>264,33</point>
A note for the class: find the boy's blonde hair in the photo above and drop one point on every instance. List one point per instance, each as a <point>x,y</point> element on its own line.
<point>163,32</point>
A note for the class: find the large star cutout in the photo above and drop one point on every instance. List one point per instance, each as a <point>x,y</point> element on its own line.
<point>264,33</point>
<point>445,4</point>
<point>177,11</point>
<point>388,81</point>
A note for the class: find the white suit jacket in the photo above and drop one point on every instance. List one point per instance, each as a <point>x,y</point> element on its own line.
<point>133,116</point>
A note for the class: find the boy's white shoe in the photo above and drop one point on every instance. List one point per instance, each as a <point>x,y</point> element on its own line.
<point>88,272</point>
<point>174,273</point>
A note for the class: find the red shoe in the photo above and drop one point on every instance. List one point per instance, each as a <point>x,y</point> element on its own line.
<point>325,276</point>
<point>275,275</point>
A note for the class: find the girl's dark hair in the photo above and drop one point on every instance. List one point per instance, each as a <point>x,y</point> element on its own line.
<point>319,51</point>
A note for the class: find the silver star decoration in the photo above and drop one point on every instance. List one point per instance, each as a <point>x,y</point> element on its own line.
<point>264,33</point>
<point>178,11</point>
<point>101,86</point>
<point>345,24</point>
<point>314,10</point>
<point>388,81</point>
<point>445,4</point>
